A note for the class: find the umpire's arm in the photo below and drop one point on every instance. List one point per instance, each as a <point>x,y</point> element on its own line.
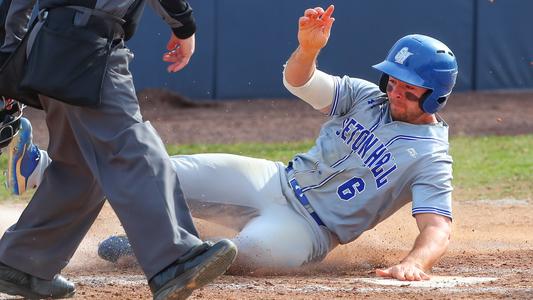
<point>429,246</point>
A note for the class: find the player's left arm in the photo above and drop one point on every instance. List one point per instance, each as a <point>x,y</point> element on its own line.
<point>429,246</point>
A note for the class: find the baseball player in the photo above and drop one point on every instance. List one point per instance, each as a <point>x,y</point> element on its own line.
<point>102,151</point>
<point>384,146</point>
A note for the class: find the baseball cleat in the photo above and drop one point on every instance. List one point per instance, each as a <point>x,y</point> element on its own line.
<point>23,159</point>
<point>114,247</point>
<point>194,270</point>
<point>18,283</point>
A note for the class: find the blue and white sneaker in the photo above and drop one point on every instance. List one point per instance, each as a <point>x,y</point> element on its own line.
<point>24,157</point>
<point>115,247</point>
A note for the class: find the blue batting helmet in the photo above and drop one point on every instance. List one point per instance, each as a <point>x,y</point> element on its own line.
<point>421,61</point>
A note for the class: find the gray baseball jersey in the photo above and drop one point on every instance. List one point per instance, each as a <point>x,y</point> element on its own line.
<point>365,166</point>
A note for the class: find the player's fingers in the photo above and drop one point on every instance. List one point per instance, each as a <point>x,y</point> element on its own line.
<point>398,274</point>
<point>319,10</point>
<point>411,276</point>
<point>383,272</point>
<point>417,277</point>
<point>424,276</point>
<point>408,275</point>
<point>303,21</point>
<point>328,12</point>
<point>311,13</point>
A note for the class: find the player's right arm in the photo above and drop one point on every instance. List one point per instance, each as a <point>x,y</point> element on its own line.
<point>301,77</point>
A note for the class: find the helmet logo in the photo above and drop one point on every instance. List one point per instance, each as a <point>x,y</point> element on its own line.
<point>402,55</point>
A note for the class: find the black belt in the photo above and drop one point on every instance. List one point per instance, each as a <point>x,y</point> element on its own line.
<point>303,198</point>
<point>100,22</point>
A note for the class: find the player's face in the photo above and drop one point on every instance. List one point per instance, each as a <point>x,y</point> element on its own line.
<point>404,101</point>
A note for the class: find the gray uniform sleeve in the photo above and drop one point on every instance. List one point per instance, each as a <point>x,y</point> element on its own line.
<point>16,22</point>
<point>351,93</point>
<point>432,189</point>
<point>177,14</point>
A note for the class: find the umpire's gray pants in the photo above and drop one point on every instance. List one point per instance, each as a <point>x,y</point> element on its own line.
<point>96,153</point>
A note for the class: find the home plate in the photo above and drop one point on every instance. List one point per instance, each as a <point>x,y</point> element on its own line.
<point>434,282</point>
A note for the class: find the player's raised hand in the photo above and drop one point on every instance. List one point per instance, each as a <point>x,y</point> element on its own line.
<point>179,52</point>
<point>314,27</point>
<point>403,271</point>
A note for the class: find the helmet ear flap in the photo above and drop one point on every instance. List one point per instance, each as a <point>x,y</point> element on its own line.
<point>383,81</point>
<point>422,102</point>
<point>442,100</point>
<point>431,106</point>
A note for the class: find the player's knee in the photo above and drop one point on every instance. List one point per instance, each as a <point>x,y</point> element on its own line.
<point>269,252</point>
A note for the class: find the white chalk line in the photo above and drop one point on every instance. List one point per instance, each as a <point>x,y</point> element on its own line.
<point>452,284</point>
<point>441,284</point>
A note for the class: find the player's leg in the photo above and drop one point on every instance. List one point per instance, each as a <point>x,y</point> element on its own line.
<point>26,162</point>
<point>245,194</point>
<point>221,188</point>
<point>228,189</point>
<point>278,238</point>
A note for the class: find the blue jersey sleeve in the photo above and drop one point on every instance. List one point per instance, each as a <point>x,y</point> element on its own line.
<point>351,93</point>
<point>432,189</point>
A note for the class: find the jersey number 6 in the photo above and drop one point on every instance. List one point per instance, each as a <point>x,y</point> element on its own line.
<point>350,188</point>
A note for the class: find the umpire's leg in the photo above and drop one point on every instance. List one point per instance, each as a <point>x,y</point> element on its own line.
<point>130,164</point>
<point>134,170</point>
<point>61,211</point>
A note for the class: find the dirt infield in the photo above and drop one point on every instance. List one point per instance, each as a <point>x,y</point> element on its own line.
<point>490,256</point>
<point>491,240</point>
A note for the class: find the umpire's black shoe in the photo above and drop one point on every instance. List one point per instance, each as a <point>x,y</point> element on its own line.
<point>15,282</point>
<point>197,268</point>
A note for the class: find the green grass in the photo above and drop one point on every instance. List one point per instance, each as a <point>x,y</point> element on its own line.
<point>276,151</point>
<point>491,167</point>
<point>4,194</point>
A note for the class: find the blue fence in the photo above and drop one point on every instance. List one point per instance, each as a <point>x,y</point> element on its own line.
<point>243,44</point>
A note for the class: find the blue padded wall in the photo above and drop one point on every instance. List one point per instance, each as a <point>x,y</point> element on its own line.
<point>256,38</point>
<point>242,44</point>
<point>196,80</point>
<point>504,45</point>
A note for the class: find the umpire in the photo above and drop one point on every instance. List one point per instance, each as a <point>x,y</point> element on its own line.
<point>101,148</point>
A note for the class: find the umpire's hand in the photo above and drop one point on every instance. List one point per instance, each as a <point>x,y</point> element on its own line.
<point>179,52</point>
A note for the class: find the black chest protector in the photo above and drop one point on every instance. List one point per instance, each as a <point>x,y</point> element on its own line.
<point>132,17</point>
